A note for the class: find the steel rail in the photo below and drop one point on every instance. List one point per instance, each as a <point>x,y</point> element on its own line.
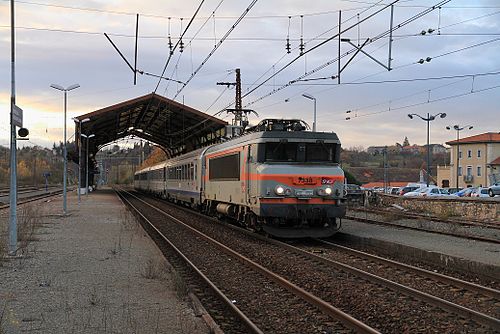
<point>457,235</point>
<point>33,198</point>
<point>325,307</point>
<point>412,215</point>
<point>444,304</point>
<point>251,326</point>
<point>427,273</point>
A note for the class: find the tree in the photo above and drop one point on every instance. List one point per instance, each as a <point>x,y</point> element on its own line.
<point>351,179</point>
<point>406,142</point>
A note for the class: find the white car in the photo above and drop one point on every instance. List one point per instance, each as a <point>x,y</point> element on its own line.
<point>431,192</point>
<point>428,192</point>
<point>415,192</point>
<point>480,192</point>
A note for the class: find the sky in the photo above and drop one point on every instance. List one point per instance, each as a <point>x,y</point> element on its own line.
<point>62,42</point>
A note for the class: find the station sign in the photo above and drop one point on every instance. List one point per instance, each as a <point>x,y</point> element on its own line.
<point>17,116</point>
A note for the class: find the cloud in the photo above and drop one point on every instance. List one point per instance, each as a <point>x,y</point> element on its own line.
<point>86,57</point>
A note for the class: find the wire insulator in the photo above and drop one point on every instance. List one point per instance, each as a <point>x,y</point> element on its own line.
<point>170,45</point>
<point>288,45</point>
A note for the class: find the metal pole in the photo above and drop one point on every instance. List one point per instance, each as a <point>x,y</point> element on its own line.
<point>13,148</point>
<point>385,170</point>
<point>314,121</point>
<point>87,167</point>
<point>428,149</point>
<point>390,39</point>
<point>458,152</point>
<point>340,31</point>
<point>79,159</point>
<point>65,157</point>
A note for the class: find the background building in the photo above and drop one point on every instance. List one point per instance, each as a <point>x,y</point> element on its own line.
<point>478,161</point>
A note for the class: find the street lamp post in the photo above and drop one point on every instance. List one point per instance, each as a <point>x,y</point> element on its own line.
<point>87,162</point>
<point>428,120</point>
<point>65,172</point>
<point>80,154</point>
<point>310,97</point>
<point>458,128</point>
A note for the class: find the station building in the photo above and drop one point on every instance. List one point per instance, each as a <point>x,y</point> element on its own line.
<point>478,162</point>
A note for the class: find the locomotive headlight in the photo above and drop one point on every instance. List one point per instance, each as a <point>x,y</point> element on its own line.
<point>279,190</point>
<point>328,191</point>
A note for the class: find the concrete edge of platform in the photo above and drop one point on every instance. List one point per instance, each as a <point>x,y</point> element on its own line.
<point>429,257</point>
<point>198,308</point>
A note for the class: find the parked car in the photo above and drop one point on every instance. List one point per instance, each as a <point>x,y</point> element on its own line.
<point>480,192</point>
<point>464,192</point>
<point>353,190</point>
<point>433,191</point>
<point>494,189</point>
<point>405,190</point>
<point>453,190</point>
<point>414,192</point>
<point>393,190</point>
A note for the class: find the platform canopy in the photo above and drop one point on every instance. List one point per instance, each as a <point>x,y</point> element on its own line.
<point>175,127</point>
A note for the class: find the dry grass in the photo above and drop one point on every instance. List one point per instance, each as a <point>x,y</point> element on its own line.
<point>153,269</point>
<point>2,318</point>
<point>180,286</point>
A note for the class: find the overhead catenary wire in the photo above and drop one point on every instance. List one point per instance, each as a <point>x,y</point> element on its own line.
<point>192,38</point>
<point>176,44</point>
<point>318,68</point>
<point>235,24</point>
<point>428,101</point>
<point>104,11</point>
<point>318,46</point>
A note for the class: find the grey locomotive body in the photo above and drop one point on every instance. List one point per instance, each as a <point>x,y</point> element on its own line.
<point>286,183</point>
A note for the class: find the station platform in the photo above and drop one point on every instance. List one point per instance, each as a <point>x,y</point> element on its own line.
<point>454,253</point>
<point>92,271</point>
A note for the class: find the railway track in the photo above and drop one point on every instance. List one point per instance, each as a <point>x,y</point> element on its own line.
<point>381,303</point>
<point>480,298</point>
<point>412,215</point>
<point>261,300</point>
<point>449,233</point>
<point>33,198</point>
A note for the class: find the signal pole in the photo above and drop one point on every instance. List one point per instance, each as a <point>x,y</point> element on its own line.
<point>13,146</point>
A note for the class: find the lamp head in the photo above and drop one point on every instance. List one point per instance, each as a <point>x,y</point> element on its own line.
<point>443,115</point>
<point>456,127</point>
<point>470,127</point>
<point>448,128</point>
<point>57,87</point>
<point>308,96</point>
<point>410,116</point>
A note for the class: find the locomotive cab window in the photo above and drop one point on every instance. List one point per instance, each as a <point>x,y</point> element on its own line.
<point>301,152</point>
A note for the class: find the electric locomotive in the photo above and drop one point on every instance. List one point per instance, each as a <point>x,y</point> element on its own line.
<point>276,178</point>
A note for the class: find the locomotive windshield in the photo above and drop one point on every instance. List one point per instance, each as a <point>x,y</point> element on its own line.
<point>301,152</point>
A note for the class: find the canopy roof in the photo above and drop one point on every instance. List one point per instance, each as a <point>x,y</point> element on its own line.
<point>175,127</point>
